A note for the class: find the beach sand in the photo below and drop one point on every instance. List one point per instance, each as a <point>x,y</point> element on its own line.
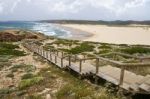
<point>112,34</point>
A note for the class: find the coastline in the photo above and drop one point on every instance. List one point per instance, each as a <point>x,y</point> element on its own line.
<point>76,34</point>
<point>110,34</point>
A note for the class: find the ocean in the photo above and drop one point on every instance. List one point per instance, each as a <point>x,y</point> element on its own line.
<point>46,28</point>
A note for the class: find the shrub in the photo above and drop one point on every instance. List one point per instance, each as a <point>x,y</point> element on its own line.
<point>11,75</point>
<point>104,47</point>
<point>27,68</point>
<point>9,49</point>
<point>27,76</point>
<point>29,82</point>
<point>34,96</point>
<point>75,91</point>
<point>6,91</point>
<point>84,47</point>
<point>133,50</point>
<point>104,51</point>
<point>8,45</point>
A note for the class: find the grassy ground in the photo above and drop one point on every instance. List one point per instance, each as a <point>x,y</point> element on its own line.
<point>7,52</point>
<point>58,83</point>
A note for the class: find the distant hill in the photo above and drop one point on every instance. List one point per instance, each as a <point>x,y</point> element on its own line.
<point>117,22</point>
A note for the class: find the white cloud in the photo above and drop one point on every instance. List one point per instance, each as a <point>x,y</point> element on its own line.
<point>1,8</point>
<point>113,8</point>
<point>14,5</point>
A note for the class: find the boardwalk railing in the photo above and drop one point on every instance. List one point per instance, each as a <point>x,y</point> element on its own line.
<point>65,60</point>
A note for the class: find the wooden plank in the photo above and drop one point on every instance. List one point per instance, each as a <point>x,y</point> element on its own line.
<point>145,87</point>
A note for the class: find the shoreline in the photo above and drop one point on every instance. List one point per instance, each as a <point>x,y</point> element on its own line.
<point>110,34</point>
<point>76,34</point>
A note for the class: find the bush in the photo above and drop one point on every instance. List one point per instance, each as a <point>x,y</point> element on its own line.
<point>133,50</point>
<point>6,91</point>
<point>27,76</point>
<point>104,47</point>
<point>84,47</point>
<point>76,91</point>
<point>27,68</point>
<point>8,45</point>
<point>11,75</point>
<point>29,82</point>
<point>9,49</point>
<point>104,51</point>
<point>34,96</point>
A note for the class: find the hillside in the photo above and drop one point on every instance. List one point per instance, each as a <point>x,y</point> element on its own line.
<point>101,22</point>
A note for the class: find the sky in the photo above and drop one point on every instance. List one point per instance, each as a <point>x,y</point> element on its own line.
<point>74,9</point>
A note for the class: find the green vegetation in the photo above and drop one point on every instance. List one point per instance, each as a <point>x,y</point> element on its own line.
<point>84,47</point>
<point>104,46</point>
<point>27,68</point>
<point>74,88</point>
<point>77,91</point>
<point>27,76</point>
<point>4,61</point>
<point>48,46</point>
<point>10,49</point>
<point>29,82</point>
<point>10,75</point>
<point>5,91</point>
<point>134,50</point>
<point>35,96</point>
<point>104,51</point>
<point>65,42</point>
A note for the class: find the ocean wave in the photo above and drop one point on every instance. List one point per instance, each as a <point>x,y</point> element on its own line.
<point>46,28</point>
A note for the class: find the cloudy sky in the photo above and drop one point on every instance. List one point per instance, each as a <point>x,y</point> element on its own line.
<point>74,9</point>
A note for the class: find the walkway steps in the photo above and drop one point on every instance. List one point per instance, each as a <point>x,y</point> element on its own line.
<point>112,74</point>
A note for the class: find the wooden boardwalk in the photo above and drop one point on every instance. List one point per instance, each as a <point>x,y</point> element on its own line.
<point>120,77</point>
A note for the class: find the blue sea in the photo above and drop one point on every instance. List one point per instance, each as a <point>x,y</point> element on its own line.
<point>46,28</point>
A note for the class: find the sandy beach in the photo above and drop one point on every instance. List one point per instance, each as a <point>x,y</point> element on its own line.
<point>112,34</point>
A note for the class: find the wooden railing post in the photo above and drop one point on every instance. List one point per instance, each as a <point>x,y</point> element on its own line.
<point>84,58</point>
<point>80,66</point>
<point>122,75</point>
<point>75,58</point>
<point>57,53</point>
<point>43,53</point>
<point>97,65</point>
<point>69,60</point>
<point>61,62</point>
<point>38,51</point>
<point>55,59</point>
<point>50,55</point>
<point>47,54</point>
<point>62,54</point>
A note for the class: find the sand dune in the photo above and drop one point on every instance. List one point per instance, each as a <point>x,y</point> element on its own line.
<point>114,34</point>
